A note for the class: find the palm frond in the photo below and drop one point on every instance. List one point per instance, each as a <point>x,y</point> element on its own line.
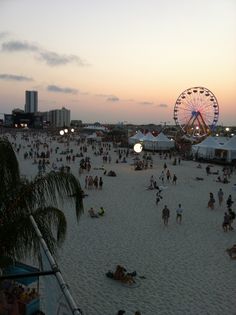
<point>9,170</point>
<point>54,219</point>
<point>18,238</point>
<point>52,189</point>
<point>41,197</point>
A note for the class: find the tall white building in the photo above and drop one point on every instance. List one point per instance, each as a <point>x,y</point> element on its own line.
<point>59,117</point>
<point>31,102</point>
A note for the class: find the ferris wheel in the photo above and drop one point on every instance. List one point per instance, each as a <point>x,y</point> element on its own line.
<point>196,111</point>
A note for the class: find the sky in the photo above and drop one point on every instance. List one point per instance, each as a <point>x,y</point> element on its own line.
<point>117,61</point>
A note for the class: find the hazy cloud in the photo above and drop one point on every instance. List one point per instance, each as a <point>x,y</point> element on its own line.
<point>146,103</point>
<point>49,57</point>
<point>113,99</point>
<point>16,45</point>
<point>53,59</point>
<point>58,89</point>
<point>3,35</point>
<point>163,105</point>
<point>109,97</point>
<point>103,95</point>
<point>13,77</point>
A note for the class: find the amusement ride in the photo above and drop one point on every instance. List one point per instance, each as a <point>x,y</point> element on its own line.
<point>196,112</point>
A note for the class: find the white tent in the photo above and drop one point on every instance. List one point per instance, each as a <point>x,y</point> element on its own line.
<point>149,141</point>
<point>206,149</point>
<point>162,142</point>
<point>94,137</point>
<point>135,138</point>
<point>230,147</point>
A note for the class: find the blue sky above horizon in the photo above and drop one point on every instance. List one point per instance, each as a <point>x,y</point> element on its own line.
<point>113,61</point>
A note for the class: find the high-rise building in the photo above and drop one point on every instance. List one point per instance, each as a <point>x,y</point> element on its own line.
<point>59,117</point>
<point>31,101</point>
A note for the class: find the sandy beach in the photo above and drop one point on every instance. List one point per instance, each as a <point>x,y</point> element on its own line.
<point>184,268</point>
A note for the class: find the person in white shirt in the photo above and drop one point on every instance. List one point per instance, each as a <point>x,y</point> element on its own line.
<point>179,212</point>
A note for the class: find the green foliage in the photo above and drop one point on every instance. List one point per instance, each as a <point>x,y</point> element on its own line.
<point>41,197</point>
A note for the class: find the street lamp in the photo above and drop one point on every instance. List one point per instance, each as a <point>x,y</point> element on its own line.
<point>67,132</point>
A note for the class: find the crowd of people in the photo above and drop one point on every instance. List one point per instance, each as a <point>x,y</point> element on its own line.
<point>167,176</point>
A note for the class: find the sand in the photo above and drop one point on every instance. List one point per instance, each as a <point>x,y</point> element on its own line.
<point>186,268</point>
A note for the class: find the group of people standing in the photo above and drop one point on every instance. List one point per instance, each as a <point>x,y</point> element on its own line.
<point>166,214</point>
<point>229,215</point>
<point>91,182</point>
<point>220,194</point>
<point>166,175</point>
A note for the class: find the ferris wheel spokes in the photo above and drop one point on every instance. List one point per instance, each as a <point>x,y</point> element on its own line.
<point>196,111</point>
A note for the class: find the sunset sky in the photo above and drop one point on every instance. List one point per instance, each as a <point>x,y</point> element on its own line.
<point>117,60</point>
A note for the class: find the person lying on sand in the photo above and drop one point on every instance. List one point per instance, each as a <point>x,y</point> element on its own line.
<point>232,251</point>
<point>224,180</point>
<point>199,178</point>
<point>121,275</point>
<point>101,211</point>
<point>92,213</point>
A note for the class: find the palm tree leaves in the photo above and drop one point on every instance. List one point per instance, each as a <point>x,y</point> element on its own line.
<point>50,189</point>
<point>51,221</point>
<point>9,171</point>
<point>41,197</point>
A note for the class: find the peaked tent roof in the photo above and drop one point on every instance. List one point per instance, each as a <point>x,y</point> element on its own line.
<point>148,137</point>
<point>138,135</point>
<point>230,144</point>
<point>209,142</point>
<point>162,137</point>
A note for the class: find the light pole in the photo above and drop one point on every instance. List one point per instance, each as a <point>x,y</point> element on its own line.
<point>227,130</point>
<point>67,132</point>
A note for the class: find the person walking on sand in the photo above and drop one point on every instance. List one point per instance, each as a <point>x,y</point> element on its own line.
<point>151,181</point>
<point>162,177</point>
<point>174,179</point>
<point>211,201</point>
<point>220,196</point>
<point>231,218</point>
<point>168,176</point>
<point>179,212</point>
<point>158,197</point>
<point>226,222</point>
<point>100,183</point>
<point>165,215</point>
<point>229,202</point>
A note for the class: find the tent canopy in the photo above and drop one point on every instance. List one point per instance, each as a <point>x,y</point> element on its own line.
<point>135,138</point>
<point>20,268</point>
<point>209,142</point>
<point>207,148</point>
